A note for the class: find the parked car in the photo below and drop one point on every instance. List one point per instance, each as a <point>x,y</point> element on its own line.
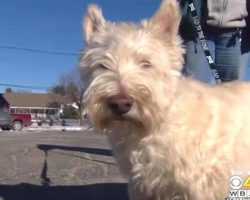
<point>18,121</point>
<point>5,119</point>
<point>10,120</point>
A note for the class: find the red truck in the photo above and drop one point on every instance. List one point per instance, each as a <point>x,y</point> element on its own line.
<point>18,121</point>
<point>14,121</point>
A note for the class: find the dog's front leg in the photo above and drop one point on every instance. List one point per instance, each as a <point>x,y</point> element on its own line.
<point>136,194</point>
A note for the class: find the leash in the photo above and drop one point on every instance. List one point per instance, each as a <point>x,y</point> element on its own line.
<point>203,41</point>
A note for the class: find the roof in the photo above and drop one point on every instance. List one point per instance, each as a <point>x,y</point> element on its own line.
<point>43,100</point>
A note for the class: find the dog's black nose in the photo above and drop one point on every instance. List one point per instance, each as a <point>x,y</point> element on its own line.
<point>119,104</point>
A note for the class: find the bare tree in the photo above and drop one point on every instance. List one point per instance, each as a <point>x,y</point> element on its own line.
<point>8,89</point>
<point>71,89</point>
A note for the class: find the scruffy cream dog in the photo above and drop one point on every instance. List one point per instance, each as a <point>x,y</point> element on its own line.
<point>173,137</point>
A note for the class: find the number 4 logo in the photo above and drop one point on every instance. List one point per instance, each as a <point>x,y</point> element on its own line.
<point>247,182</point>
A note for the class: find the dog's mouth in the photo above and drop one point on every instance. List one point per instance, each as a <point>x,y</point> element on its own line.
<point>121,118</point>
<point>125,122</point>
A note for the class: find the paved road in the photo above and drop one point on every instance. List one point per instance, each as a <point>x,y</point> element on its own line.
<point>58,165</point>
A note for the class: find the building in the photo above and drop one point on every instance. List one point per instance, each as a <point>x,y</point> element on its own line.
<point>40,106</point>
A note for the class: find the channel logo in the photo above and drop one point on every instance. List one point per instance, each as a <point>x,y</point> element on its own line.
<point>236,182</point>
<point>239,188</point>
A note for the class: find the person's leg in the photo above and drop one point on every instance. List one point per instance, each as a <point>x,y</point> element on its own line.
<point>227,56</point>
<point>196,64</point>
<point>247,75</point>
<point>244,69</point>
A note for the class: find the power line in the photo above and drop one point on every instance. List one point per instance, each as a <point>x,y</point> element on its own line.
<point>38,50</point>
<point>25,86</point>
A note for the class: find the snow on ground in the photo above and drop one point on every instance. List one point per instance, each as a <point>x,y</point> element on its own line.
<point>46,127</point>
<point>56,127</point>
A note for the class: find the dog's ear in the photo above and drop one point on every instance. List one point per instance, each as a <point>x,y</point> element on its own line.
<point>93,22</point>
<point>167,18</point>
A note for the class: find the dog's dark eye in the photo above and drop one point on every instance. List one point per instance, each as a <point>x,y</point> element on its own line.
<point>101,67</point>
<point>145,64</point>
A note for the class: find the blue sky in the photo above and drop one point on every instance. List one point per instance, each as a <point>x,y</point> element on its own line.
<point>53,25</point>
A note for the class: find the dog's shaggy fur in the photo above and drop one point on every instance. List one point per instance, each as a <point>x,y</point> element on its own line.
<point>181,138</point>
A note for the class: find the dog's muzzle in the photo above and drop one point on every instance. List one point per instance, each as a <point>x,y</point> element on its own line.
<point>119,104</point>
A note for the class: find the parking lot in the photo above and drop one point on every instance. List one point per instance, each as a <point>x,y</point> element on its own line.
<point>56,164</point>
